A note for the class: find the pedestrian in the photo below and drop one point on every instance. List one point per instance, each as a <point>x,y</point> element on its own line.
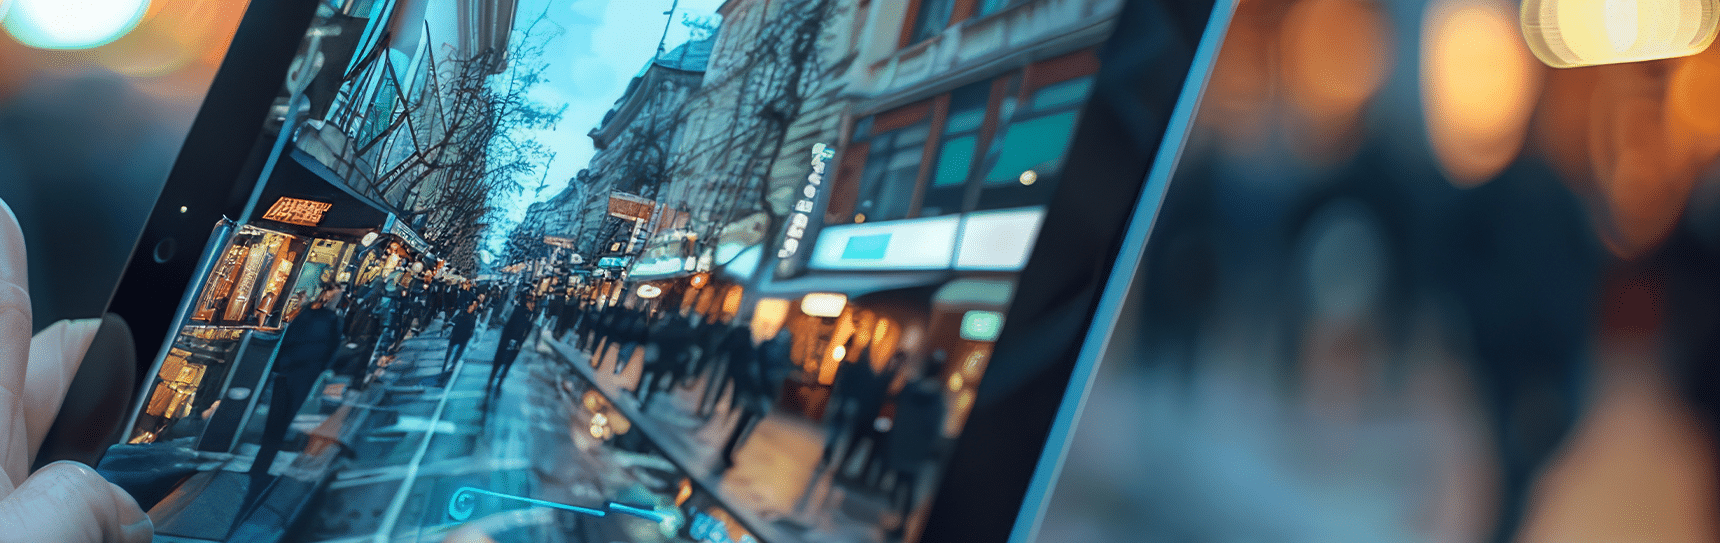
<point>754,392</point>
<point>634,332</point>
<point>673,337</point>
<point>853,404</point>
<point>305,350</point>
<point>512,339</point>
<point>463,323</point>
<point>916,435</point>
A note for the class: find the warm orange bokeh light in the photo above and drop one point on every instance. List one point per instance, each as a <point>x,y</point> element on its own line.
<point>1478,87</point>
<point>1335,54</point>
<point>1642,154</point>
<point>1238,98</point>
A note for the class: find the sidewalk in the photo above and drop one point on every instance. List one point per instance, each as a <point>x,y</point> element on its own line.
<point>776,472</point>
<point>211,505</point>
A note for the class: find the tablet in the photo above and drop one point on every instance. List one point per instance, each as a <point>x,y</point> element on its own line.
<point>554,270</point>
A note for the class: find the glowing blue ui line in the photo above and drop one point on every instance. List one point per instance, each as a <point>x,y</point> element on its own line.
<point>465,501</point>
<point>646,514</point>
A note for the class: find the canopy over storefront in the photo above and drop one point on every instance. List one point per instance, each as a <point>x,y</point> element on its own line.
<point>304,192</point>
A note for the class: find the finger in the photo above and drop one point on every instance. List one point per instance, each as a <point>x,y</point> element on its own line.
<point>68,502</point>
<point>14,351</point>
<point>54,357</point>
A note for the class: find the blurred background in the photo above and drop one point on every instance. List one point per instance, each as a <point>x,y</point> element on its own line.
<point>1409,283</point>
<point>95,98</point>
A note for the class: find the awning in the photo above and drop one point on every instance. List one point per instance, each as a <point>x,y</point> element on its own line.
<point>302,177</point>
<point>852,284</point>
<point>976,293</point>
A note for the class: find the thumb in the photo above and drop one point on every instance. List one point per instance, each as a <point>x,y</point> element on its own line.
<point>68,502</point>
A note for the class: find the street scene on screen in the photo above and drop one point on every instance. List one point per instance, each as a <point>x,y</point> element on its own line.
<point>558,270</point>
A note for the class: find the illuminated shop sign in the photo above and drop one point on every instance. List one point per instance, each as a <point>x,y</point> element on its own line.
<point>398,229</point>
<point>797,222</point>
<point>912,244</point>
<point>297,211</point>
<point>630,207</point>
<point>612,262</point>
<point>985,240</point>
<point>998,240</point>
<point>981,325</point>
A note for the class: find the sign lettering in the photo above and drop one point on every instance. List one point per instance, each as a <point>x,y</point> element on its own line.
<point>297,211</point>
<point>797,223</point>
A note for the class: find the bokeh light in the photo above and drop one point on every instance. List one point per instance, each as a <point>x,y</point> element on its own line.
<point>1335,54</point>
<point>1571,33</point>
<point>72,24</point>
<point>1478,87</point>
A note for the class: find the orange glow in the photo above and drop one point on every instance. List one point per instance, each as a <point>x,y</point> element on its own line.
<point>768,316</point>
<point>685,492</point>
<point>1335,55</point>
<point>836,351</point>
<point>1478,87</point>
<point>732,302</point>
<point>1236,106</point>
<point>1643,163</point>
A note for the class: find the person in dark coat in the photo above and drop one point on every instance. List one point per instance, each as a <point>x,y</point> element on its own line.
<point>513,337</point>
<point>915,435</point>
<point>674,336</point>
<point>755,386</point>
<point>464,322</point>
<point>306,348</point>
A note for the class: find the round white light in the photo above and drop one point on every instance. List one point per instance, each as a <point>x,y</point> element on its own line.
<point>72,24</point>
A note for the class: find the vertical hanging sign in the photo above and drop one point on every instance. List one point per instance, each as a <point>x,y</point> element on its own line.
<point>802,214</point>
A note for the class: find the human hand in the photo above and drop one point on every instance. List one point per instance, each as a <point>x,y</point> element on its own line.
<point>64,501</point>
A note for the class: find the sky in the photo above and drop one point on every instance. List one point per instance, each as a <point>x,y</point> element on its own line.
<point>602,44</point>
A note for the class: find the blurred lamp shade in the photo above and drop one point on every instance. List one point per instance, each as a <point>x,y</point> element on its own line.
<point>1573,33</point>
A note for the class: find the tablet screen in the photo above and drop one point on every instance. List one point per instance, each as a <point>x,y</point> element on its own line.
<point>555,270</point>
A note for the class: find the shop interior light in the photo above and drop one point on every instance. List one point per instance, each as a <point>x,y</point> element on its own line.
<point>823,304</point>
<point>649,291</point>
<point>1572,33</point>
<point>369,238</point>
<point>1029,177</point>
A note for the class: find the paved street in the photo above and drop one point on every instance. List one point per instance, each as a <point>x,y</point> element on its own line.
<point>415,441</point>
<point>776,479</point>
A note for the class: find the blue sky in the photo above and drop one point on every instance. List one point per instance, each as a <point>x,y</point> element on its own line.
<point>602,45</point>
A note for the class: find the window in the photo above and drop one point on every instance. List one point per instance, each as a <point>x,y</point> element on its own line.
<point>1032,146</point>
<point>956,151</point>
<point>988,7</point>
<point>892,171</point>
<point>932,17</point>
